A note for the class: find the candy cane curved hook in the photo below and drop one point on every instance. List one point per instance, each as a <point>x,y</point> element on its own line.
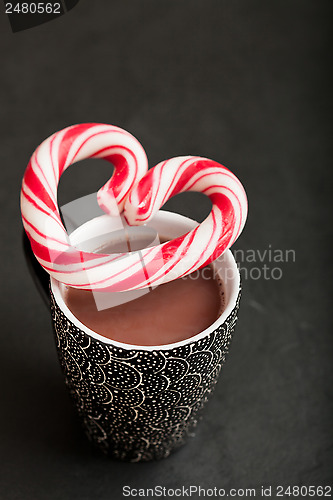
<point>141,194</point>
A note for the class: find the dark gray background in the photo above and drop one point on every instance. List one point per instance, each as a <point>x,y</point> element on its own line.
<point>247,84</point>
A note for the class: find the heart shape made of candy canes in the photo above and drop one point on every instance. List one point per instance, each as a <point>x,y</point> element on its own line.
<point>139,193</point>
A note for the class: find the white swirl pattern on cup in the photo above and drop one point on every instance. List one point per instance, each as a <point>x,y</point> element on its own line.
<point>139,405</point>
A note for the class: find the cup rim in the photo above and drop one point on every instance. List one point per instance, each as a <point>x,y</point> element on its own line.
<point>232,288</point>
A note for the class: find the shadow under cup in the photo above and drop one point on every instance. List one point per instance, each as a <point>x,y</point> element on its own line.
<point>139,403</point>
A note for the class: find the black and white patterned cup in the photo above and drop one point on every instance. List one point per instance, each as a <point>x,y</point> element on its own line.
<point>139,403</point>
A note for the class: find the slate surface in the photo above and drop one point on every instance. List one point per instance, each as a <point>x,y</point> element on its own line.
<point>245,83</point>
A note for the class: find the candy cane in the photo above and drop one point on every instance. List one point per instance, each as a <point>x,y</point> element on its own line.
<point>39,208</point>
<point>162,263</point>
<point>208,240</point>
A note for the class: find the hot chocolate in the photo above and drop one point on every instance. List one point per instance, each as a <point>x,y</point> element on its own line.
<point>169,313</point>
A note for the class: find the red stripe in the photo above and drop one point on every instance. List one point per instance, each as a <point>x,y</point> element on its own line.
<point>40,233</point>
<point>35,184</point>
<point>55,217</point>
<point>69,137</point>
<point>167,196</point>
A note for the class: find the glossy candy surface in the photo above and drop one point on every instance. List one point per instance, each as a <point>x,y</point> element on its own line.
<point>140,194</point>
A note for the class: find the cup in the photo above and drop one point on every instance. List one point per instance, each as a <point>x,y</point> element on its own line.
<point>139,403</point>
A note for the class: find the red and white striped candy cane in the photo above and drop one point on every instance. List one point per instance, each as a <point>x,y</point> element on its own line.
<point>208,240</point>
<point>39,207</point>
<point>165,262</point>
